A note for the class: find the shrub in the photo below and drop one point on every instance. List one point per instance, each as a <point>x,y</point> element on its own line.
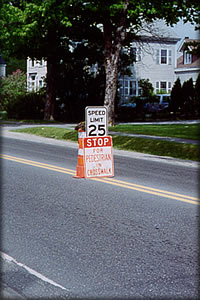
<point>12,88</point>
<point>176,96</point>
<point>15,99</point>
<point>197,95</point>
<point>146,87</point>
<point>3,115</point>
<point>29,106</point>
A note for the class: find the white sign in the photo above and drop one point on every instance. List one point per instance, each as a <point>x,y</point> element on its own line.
<point>96,121</point>
<point>98,157</point>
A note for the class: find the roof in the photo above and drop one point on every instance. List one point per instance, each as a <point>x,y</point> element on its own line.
<point>192,46</point>
<point>194,64</point>
<point>158,30</point>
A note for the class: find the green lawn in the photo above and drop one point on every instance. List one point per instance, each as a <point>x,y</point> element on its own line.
<point>186,131</point>
<point>51,132</point>
<point>155,147</point>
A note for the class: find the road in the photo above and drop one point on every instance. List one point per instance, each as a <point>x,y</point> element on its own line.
<point>134,235</point>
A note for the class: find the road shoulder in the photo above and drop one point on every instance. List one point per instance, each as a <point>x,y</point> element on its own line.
<point>5,132</point>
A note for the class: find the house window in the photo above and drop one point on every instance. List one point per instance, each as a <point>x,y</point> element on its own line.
<point>136,53</point>
<point>164,57</point>
<point>132,88</point>
<point>33,85</point>
<point>163,87</point>
<point>32,63</point>
<point>169,87</point>
<point>127,88</point>
<point>40,83</point>
<point>187,58</point>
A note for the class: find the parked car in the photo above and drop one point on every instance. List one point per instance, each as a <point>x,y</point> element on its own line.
<point>127,111</point>
<point>160,104</point>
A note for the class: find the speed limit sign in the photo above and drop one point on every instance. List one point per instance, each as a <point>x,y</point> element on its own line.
<point>96,121</point>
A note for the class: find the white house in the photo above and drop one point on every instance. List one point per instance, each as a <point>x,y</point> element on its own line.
<point>156,56</point>
<point>36,73</point>
<point>188,64</point>
<point>2,67</point>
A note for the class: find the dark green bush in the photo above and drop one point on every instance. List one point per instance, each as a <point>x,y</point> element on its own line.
<point>29,106</point>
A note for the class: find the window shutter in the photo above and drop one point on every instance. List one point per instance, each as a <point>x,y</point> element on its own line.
<point>170,57</point>
<point>133,52</point>
<point>157,56</point>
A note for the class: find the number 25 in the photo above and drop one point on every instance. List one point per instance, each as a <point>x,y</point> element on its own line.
<point>98,128</point>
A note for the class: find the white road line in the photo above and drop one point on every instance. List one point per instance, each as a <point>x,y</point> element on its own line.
<point>31,271</point>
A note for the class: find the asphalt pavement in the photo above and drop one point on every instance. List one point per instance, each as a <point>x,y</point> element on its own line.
<point>7,292</point>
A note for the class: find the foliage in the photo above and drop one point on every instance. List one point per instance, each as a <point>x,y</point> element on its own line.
<point>30,106</point>
<point>193,47</point>
<point>197,95</point>
<point>45,29</point>
<point>36,29</point>
<point>147,87</point>
<point>12,87</point>
<point>185,99</point>
<point>13,63</point>
<point>17,101</point>
<point>3,115</point>
<point>160,92</point>
<point>187,105</point>
<point>176,96</point>
<point>80,80</point>
<point>120,20</point>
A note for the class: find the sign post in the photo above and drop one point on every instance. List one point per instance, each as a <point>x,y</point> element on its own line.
<point>95,158</point>
<point>96,121</point>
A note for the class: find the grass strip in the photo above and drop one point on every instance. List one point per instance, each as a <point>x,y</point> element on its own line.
<point>51,132</point>
<point>185,131</point>
<point>155,147</point>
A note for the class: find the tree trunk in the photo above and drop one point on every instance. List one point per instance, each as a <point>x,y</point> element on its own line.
<point>114,35</point>
<point>111,70</point>
<point>50,92</point>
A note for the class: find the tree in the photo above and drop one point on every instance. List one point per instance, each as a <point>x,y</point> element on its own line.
<point>39,29</point>
<point>120,20</point>
<point>13,64</point>
<point>80,80</point>
<point>12,87</point>
<point>193,47</point>
<point>176,96</point>
<point>187,105</point>
<point>197,88</point>
<point>147,87</point>
<point>36,29</point>
<point>197,95</point>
